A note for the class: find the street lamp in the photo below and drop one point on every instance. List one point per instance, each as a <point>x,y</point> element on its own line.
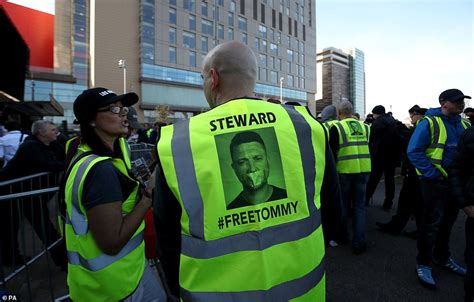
<point>281,89</point>
<point>121,64</point>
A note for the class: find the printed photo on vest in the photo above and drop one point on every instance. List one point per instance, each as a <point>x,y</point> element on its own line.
<point>251,168</point>
<point>356,128</point>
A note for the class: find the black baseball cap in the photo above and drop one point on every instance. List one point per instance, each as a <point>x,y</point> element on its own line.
<point>379,109</point>
<point>87,103</point>
<point>452,95</point>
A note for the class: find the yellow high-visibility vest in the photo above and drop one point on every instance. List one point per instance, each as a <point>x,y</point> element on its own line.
<point>268,250</point>
<point>92,274</point>
<point>353,155</point>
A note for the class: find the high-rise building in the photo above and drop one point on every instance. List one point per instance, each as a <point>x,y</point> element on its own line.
<point>341,76</point>
<point>161,45</point>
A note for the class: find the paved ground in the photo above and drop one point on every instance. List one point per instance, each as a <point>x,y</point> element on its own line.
<point>386,272</point>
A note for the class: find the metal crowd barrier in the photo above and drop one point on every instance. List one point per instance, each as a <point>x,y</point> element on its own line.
<point>33,255</point>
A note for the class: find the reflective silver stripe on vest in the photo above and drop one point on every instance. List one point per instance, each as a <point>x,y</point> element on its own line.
<point>187,180</point>
<point>303,134</point>
<point>343,134</point>
<point>78,221</point>
<point>282,292</point>
<point>435,145</point>
<point>436,161</point>
<point>192,200</point>
<point>252,240</point>
<point>354,156</point>
<point>104,260</point>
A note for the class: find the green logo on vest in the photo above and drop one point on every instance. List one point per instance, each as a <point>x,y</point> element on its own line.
<point>355,127</point>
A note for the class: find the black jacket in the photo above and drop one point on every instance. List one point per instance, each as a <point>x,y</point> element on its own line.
<point>34,157</point>
<point>385,142</point>
<point>461,173</point>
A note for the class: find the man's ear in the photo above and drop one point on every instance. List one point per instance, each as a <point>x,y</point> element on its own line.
<point>215,78</point>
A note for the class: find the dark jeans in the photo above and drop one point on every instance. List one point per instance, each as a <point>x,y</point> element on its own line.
<point>353,190</point>
<point>385,166</point>
<point>410,202</point>
<point>437,219</point>
<point>469,256</point>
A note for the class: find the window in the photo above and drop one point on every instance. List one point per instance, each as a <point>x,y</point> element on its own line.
<point>262,13</point>
<point>172,35</point>
<point>230,34</point>
<point>242,7</point>
<point>288,41</point>
<point>264,46</point>
<point>289,54</point>
<point>289,26</point>
<point>280,21</point>
<point>204,8</point>
<point>189,40</point>
<point>271,62</point>
<point>273,77</point>
<point>204,44</point>
<point>273,18</point>
<point>221,2</point>
<point>172,16</point>
<point>220,31</point>
<point>274,49</point>
<point>244,38</point>
<point>288,67</point>
<point>172,54</point>
<point>278,64</point>
<point>173,2</point>
<point>232,6</point>
<point>192,22</point>
<point>272,35</point>
<point>206,27</point>
<point>242,24</point>
<point>189,5</point>
<point>255,11</point>
<point>296,29</point>
<point>230,19</point>
<point>301,72</point>
<point>263,31</point>
<point>262,74</point>
<point>192,58</point>
<point>257,43</point>
<point>262,60</point>
<point>304,32</point>
<point>290,80</point>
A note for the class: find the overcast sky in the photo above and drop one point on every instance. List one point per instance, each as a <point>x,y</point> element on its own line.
<point>414,49</point>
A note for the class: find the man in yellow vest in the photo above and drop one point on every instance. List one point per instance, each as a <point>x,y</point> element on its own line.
<point>270,247</point>
<point>349,140</point>
<point>431,150</point>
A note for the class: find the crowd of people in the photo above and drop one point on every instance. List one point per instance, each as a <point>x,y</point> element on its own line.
<point>242,190</point>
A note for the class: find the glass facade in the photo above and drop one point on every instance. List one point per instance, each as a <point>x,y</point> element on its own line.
<point>65,93</point>
<point>357,78</point>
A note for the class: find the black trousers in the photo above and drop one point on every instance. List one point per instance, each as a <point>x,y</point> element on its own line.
<point>437,219</point>
<point>382,166</point>
<point>410,202</point>
<point>469,256</point>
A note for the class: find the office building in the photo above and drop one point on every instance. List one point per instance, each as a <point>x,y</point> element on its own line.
<point>341,76</point>
<point>160,45</point>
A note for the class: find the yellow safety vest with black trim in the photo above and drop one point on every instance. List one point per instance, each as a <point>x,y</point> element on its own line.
<point>92,274</point>
<point>353,155</point>
<point>435,150</point>
<point>329,124</point>
<point>272,251</point>
<point>148,132</point>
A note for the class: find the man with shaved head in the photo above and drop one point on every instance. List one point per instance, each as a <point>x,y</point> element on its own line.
<point>270,247</point>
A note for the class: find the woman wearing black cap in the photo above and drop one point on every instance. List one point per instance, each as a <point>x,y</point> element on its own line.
<point>105,207</point>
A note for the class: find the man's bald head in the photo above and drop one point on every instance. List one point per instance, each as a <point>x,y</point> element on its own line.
<point>236,67</point>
